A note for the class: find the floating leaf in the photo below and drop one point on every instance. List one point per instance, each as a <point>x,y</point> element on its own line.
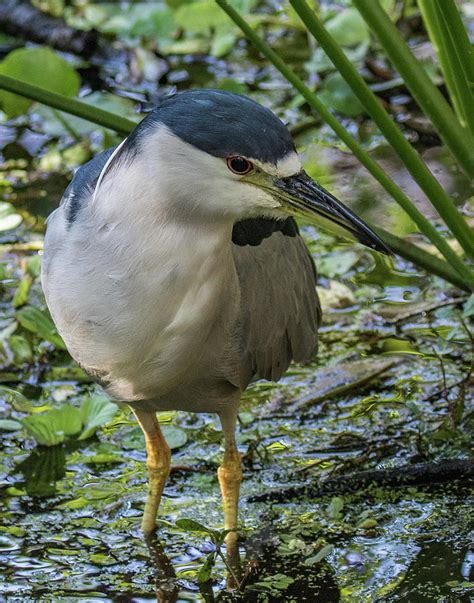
<point>16,399</point>
<point>9,219</point>
<point>51,427</point>
<point>96,411</point>
<point>34,320</point>
<point>348,28</point>
<point>103,458</point>
<point>200,16</point>
<point>175,437</point>
<point>41,67</point>
<point>337,264</point>
<point>21,349</point>
<point>320,555</point>
<point>9,425</point>
<point>21,294</point>
<point>33,266</point>
<point>337,94</point>
<point>204,574</point>
<point>468,308</point>
<point>101,559</point>
<point>190,525</point>
<point>133,440</point>
<point>335,507</point>
<point>368,524</point>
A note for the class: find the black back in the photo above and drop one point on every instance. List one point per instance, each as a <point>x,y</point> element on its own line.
<point>83,183</point>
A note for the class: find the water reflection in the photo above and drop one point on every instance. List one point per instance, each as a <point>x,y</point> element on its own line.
<point>167,587</point>
<point>436,571</point>
<point>42,469</point>
<point>265,572</point>
<point>433,575</point>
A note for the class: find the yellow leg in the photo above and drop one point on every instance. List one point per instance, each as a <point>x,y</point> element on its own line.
<point>230,476</point>
<point>158,461</point>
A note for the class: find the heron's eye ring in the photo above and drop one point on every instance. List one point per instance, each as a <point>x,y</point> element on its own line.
<point>239,165</point>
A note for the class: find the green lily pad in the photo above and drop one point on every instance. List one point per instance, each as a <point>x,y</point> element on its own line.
<point>337,94</point>
<point>52,427</point>
<point>175,437</point>
<point>96,411</point>
<point>9,219</point>
<point>41,67</point>
<point>36,321</point>
<point>9,425</point>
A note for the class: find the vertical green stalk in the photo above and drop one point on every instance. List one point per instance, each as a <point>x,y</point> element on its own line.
<point>455,136</point>
<point>73,106</point>
<point>421,258</point>
<point>455,53</point>
<point>376,17</point>
<point>374,168</point>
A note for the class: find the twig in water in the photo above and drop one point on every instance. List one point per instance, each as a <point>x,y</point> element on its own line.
<point>407,475</point>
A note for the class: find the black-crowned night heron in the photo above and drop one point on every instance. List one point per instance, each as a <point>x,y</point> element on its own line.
<point>175,275</point>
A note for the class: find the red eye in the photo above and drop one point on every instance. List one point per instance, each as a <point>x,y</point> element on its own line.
<point>239,165</point>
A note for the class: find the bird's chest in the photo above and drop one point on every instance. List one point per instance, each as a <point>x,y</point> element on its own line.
<point>158,309</point>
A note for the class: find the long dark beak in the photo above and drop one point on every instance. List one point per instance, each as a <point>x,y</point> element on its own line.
<point>306,198</point>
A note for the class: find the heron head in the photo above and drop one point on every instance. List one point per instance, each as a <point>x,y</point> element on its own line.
<point>227,156</point>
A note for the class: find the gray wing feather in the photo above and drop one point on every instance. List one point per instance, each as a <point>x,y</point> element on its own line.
<point>280,311</point>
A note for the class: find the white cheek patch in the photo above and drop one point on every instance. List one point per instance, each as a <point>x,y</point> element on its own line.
<point>287,166</point>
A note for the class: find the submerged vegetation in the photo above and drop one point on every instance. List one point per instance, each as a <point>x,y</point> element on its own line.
<point>391,386</point>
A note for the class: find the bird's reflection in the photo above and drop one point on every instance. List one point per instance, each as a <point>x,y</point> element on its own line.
<point>167,588</point>
<point>262,561</point>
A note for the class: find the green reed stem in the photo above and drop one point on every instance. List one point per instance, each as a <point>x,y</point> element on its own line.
<point>377,18</point>
<point>103,118</point>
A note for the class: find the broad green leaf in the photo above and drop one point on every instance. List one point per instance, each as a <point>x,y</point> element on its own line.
<point>9,425</point>
<point>337,94</point>
<point>348,28</point>
<point>54,121</point>
<point>335,507</point>
<point>21,294</point>
<point>232,85</point>
<point>200,16</point>
<point>101,559</point>
<point>190,525</point>
<point>320,555</point>
<point>175,437</point>
<point>160,24</point>
<point>337,264</point>
<point>51,427</point>
<point>21,349</point>
<point>16,399</point>
<point>368,524</point>
<point>98,459</point>
<point>9,219</point>
<point>34,320</point>
<point>321,62</point>
<point>204,574</point>
<point>468,308</point>
<point>96,411</point>
<point>33,266</point>
<point>41,67</point>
